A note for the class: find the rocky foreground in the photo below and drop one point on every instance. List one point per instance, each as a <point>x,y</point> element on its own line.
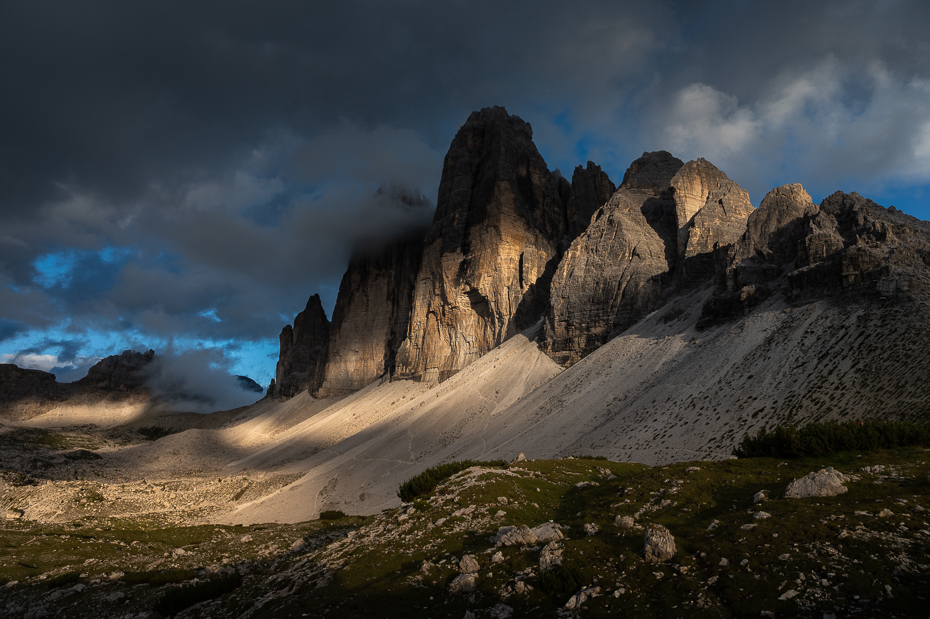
<point>843,535</point>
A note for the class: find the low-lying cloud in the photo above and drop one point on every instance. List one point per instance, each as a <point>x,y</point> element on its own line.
<point>196,381</point>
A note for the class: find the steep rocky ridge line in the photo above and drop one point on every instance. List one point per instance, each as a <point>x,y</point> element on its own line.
<point>655,234</point>
<point>847,247</point>
<point>493,243</point>
<point>25,394</point>
<point>304,348</point>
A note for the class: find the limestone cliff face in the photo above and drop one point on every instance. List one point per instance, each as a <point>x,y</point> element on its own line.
<point>658,230</point>
<point>591,188</point>
<point>304,347</point>
<point>711,211</point>
<point>499,220</point>
<point>613,273</point>
<point>371,316</point>
<point>847,245</point>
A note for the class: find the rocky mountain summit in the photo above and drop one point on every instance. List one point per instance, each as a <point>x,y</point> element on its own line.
<point>658,229</point>
<point>513,244</point>
<point>488,255</point>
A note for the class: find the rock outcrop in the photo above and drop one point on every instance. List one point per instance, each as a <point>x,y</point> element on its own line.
<point>659,229</point>
<point>591,188</point>
<point>711,211</point>
<point>847,244</point>
<point>825,482</point>
<point>489,255</point>
<point>123,373</point>
<point>26,393</point>
<point>659,544</point>
<point>304,347</point>
<point>17,383</point>
<point>371,316</point>
<point>614,272</point>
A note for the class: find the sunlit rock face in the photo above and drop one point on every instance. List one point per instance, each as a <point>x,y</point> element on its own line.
<point>304,347</point>
<point>498,224</point>
<point>657,231</point>
<point>711,211</point>
<point>372,315</point>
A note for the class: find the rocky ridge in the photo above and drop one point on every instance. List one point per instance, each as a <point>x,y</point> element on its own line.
<point>304,348</point>
<point>658,230</point>
<point>847,247</point>
<point>489,253</point>
<point>25,393</point>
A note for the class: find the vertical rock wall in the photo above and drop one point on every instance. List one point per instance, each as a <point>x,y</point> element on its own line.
<point>499,220</point>
<point>371,316</point>
<point>613,273</point>
<point>658,230</point>
<point>304,348</point>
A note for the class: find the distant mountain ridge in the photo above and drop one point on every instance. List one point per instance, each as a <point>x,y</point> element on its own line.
<point>123,377</point>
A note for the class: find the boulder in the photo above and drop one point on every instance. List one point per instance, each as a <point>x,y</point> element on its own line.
<point>550,556</point>
<point>659,544</point>
<point>548,532</point>
<point>825,482</point>
<point>624,522</point>
<point>468,565</point>
<point>463,583</point>
<point>581,597</point>
<point>515,536</point>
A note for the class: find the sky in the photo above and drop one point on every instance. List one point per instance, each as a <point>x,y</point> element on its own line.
<point>184,175</point>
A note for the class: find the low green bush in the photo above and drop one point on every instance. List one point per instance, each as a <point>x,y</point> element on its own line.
<point>332,514</point>
<point>176,599</point>
<point>821,439</point>
<point>427,481</point>
<point>562,581</point>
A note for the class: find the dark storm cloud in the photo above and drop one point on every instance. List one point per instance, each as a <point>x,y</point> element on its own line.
<point>200,168</point>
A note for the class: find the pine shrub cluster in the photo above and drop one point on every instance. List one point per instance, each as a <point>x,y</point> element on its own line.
<point>426,481</point>
<point>820,439</point>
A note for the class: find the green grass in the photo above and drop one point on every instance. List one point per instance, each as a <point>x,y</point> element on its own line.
<point>61,442</point>
<point>380,572</point>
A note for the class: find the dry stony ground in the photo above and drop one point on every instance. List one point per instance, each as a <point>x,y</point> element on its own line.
<point>862,553</point>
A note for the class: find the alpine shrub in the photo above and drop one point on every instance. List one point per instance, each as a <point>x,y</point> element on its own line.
<point>821,439</point>
<point>427,481</point>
